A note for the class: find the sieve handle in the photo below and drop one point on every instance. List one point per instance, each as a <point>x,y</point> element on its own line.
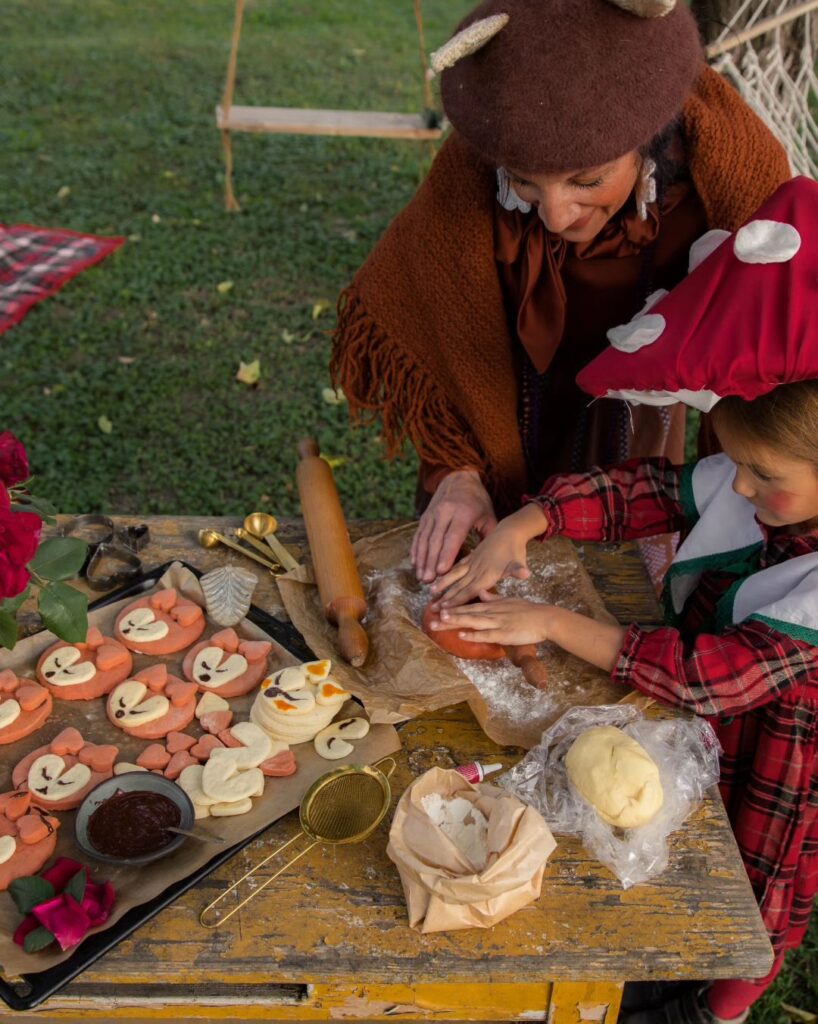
<point>383,760</point>
<point>249,874</point>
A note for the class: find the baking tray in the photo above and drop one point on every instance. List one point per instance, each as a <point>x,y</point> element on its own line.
<point>32,989</point>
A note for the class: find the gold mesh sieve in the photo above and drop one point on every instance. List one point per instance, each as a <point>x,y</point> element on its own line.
<point>342,806</point>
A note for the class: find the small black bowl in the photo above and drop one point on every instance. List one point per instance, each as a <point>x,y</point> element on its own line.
<point>133,782</point>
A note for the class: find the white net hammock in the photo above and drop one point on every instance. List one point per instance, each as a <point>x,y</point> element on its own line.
<point>768,52</point>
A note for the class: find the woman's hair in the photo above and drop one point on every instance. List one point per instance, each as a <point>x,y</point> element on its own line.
<point>785,419</point>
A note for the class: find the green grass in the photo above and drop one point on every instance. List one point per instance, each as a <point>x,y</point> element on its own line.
<point>114,101</point>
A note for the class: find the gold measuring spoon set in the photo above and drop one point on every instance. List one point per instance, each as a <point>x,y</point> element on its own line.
<point>258,528</point>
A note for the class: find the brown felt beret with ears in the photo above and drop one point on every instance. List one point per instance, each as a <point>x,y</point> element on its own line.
<point>564,85</point>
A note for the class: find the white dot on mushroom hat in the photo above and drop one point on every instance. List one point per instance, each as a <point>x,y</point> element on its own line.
<point>702,247</point>
<point>766,241</point>
<point>638,333</point>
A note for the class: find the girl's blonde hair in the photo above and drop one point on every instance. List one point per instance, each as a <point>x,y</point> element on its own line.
<point>785,419</point>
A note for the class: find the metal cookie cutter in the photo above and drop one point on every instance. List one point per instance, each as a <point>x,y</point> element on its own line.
<point>107,541</point>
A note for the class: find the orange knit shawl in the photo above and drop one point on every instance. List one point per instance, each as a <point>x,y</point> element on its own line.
<point>422,339</point>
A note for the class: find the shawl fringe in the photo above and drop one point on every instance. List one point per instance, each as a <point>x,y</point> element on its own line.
<point>380,378</point>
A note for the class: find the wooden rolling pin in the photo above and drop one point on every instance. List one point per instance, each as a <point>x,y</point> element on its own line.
<point>525,658</point>
<point>333,559</point>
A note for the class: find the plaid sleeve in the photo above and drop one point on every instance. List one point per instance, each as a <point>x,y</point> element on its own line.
<point>639,498</point>
<point>744,667</point>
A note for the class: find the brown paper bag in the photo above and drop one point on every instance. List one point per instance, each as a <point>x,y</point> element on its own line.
<point>443,891</point>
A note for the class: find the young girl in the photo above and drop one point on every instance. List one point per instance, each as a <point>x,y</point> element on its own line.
<point>739,336</point>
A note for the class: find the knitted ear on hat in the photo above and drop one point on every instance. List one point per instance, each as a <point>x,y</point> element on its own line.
<point>741,322</point>
<point>467,41</point>
<point>565,85</point>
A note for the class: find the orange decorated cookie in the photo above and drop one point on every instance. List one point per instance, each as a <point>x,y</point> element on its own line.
<point>24,706</point>
<point>227,665</point>
<point>298,702</point>
<point>60,774</point>
<point>27,837</point>
<point>152,703</point>
<point>84,671</point>
<point>161,623</point>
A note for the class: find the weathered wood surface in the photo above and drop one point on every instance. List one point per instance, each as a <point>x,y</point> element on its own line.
<point>336,922</point>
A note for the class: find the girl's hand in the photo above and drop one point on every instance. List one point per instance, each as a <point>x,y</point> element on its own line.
<point>510,621</point>
<point>501,554</point>
<point>459,503</point>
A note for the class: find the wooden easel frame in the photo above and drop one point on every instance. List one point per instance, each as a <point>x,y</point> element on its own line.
<point>296,121</point>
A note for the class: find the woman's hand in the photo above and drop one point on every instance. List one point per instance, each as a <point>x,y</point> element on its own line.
<point>502,553</point>
<point>510,621</point>
<point>459,503</point>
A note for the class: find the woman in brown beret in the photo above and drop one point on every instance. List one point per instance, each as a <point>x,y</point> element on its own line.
<point>590,148</point>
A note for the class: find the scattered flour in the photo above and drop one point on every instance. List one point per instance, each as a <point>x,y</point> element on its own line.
<point>508,696</point>
<point>463,823</point>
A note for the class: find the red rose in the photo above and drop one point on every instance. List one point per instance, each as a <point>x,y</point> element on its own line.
<point>19,538</point>
<point>13,460</point>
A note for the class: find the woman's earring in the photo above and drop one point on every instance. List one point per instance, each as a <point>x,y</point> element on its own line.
<point>646,187</point>
<point>506,196</point>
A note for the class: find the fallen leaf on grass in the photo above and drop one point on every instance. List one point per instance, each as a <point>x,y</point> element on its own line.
<point>223,287</point>
<point>155,218</point>
<point>334,461</point>
<point>333,396</point>
<point>126,360</point>
<point>319,307</point>
<point>105,424</point>
<point>249,373</point>
<point>288,337</point>
<point>64,192</point>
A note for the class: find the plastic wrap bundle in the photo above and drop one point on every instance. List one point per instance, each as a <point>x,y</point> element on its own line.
<point>686,752</point>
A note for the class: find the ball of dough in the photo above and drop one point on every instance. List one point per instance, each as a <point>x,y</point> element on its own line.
<point>449,641</point>
<point>616,776</point>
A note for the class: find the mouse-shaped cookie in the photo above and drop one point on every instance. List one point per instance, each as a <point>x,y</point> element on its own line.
<point>152,703</point>
<point>162,623</point>
<point>24,706</point>
<point>86,670</point>
<point>60,774</point>
<point>226,664</point>
<point>27,837</point>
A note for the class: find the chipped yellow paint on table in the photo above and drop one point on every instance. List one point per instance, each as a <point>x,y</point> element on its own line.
<point>329,940</point>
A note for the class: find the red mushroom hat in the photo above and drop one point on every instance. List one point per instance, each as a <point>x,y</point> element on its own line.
<point>744,320</point>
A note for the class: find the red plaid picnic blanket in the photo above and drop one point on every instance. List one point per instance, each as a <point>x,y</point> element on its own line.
<point>36,262</point>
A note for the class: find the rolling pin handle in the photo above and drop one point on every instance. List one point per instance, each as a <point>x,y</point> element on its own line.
<point>534,671</point>
<point>352,637</point>
<point>308,448</point>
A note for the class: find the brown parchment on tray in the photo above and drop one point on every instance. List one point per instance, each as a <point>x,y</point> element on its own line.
<point>406,673</point>
<point>137,885</point>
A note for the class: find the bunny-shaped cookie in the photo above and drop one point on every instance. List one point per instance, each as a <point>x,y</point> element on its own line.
<point>61,773</point>
<point>161,623</point>
<point>24,706</point>
<point>226,664</point>
<point>27,837</point>
<point>84,670</point>
<point>152,703</point>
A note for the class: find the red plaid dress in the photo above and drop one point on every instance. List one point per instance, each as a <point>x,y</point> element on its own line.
<point>758,686</point>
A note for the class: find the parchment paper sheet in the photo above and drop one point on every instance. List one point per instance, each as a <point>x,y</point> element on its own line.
<point>407,674</point>
<point>137,885</point>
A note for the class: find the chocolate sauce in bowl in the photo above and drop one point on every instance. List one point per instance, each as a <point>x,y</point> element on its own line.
<point>133,824</point>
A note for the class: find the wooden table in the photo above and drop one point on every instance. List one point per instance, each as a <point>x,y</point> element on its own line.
<point>329,940</point>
